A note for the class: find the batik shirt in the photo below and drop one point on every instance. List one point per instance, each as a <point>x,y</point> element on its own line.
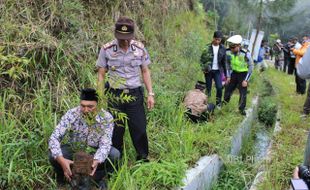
<point>73,126</point>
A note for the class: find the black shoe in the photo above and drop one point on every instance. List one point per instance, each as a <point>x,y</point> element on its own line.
<point>142,158</point>
<point>242,112</point>
<point>102,185</point>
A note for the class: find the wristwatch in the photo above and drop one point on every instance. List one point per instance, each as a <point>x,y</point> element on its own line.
<point>151,94</point>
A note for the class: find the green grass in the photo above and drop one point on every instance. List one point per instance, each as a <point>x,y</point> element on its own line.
<point>289,144</point>
<point>62,61</point>
<point>239,170</point>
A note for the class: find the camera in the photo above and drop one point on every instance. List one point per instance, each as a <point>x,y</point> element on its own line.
<point>291,45</point>
<point>304,174</point>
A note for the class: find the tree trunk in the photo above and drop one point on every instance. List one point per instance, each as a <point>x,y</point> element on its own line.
<point>258,25</point>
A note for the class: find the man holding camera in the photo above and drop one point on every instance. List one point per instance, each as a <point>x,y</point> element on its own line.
<point>213,63</point>
<point>303,171</point>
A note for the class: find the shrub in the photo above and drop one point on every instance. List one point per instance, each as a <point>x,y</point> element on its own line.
<point>267,111</point>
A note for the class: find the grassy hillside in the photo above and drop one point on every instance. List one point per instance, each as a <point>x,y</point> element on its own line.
<point>48,51</point>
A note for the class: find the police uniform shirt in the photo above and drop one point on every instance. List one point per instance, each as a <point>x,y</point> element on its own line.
<point>248,60</point>
<point>124,68</point>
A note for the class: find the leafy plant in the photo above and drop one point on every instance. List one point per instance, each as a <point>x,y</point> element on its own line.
<point>12,65</point>
<point>61,40</point>
<point>267,111</point>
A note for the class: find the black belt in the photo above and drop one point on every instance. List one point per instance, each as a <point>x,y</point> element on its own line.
<point>125,90</point>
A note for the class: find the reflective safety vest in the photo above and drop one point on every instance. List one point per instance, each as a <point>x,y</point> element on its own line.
<point>238,62</point>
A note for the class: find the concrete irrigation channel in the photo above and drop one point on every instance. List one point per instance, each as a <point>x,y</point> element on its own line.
<point>265,154</point>
<point>208,168</point>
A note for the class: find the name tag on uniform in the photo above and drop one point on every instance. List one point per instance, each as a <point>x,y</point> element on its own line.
<point>114,54</point>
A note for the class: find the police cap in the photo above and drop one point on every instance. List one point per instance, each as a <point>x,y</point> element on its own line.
<point>236,39</point>
<point>124,28</point>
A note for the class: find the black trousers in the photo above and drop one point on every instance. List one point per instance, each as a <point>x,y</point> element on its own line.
<point>301,84</point>
<point>216,75</point>
<point>236,81</point>
<point>286,63</point>
<point>204,116</point>
<point>136,121</point>
<point>307,103</point>
<point>102,169</point>
<point>291,66</point>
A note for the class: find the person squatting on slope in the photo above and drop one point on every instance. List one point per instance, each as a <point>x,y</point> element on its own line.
<point>97,135</point>
<point>196,103</point>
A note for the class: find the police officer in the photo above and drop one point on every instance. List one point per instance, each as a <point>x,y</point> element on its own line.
<point>125,60</point>
<point>239,69</point>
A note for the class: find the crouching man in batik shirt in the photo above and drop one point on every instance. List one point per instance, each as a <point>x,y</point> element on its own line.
<point>97,134</point>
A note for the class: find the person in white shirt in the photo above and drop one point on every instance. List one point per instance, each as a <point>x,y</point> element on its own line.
<point>213,63</point>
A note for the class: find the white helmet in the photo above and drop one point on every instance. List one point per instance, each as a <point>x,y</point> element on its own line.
<point>236,39</point>
<point>278,41</point>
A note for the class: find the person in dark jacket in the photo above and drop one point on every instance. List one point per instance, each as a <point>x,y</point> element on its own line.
<point>286,52</point>
<point>213,63</point>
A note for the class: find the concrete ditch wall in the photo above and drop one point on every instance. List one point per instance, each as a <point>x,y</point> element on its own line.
<point>244,129</point>
<point>261,172</point>
<point>207,169</point>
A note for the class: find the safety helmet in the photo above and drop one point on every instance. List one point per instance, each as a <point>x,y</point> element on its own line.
<point>236,39</point>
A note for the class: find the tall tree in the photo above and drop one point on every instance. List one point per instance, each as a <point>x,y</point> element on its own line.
<point>241,15</point>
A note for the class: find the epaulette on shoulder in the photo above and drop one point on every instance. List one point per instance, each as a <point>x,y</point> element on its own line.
<point>242,51</point>
<point>108,45</point>
<point>138,44</point>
